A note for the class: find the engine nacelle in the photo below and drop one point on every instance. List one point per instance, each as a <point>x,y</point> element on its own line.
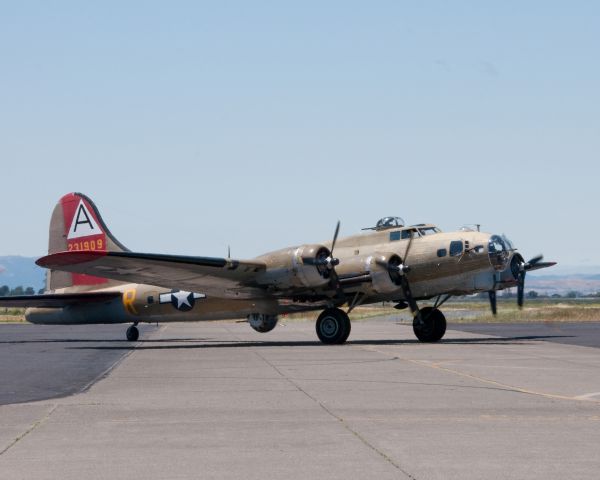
<point>262,322</point>
<point>303,266</point>
<point>385,276</point>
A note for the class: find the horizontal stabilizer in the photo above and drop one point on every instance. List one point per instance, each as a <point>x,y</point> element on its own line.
<point>57,300</point>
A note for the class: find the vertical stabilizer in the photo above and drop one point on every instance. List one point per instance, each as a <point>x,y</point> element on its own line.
<point>76,225</point>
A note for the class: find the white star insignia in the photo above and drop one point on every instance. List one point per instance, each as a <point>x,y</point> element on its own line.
<point>182,299</point>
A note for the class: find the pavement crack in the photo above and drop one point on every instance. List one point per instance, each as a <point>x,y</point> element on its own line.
<point>32,427</point>
<point>338,418</point>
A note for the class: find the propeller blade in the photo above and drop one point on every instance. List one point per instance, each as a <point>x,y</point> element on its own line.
<point>332,262</point>
<point>536,259</point>
<point>410,239</point>
<point>493,301</point>
<point>520,288</point>
<point>539,265</point>
<point>408,296</point>
<point>335,235</point>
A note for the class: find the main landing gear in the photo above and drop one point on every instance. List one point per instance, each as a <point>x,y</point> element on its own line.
<point>133,333</point>
<point>429,324</point>
<point>333,326</point>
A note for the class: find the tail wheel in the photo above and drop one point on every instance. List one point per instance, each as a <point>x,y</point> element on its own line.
<point>333,326</point>
<point>132,333</point>
<point>432,326</point>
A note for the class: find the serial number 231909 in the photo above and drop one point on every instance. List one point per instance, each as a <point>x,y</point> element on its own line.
<point>87,245</point>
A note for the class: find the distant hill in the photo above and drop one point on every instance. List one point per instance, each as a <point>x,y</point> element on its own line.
<point>562,284</point>
<point>21,271</point>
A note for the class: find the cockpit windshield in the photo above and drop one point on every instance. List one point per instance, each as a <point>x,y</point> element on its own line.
<point>429,231</point>
<point>499,248</point>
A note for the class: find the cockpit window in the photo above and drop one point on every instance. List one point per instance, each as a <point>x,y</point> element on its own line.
<point>403,234</point>
<point>429,231</point>
<point>456,248</point>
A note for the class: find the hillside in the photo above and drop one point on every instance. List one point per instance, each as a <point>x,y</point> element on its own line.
<point>21,271</point>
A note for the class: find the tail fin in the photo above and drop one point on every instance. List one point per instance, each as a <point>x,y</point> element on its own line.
<point>76,225</point>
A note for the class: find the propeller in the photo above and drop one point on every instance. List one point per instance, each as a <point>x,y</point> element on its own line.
<point>332,262</point>
<point>519,268</point>
<point>400,269</point>
<point>524,267</point>
<point>324,258</point>
<point>326,263</point>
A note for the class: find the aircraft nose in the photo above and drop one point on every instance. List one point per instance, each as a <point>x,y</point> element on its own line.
<point>499,249</point>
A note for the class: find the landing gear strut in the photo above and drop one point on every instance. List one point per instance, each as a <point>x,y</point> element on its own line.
<point>132,333</point>
<point>333,326</point>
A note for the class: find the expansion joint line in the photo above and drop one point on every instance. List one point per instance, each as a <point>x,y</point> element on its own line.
<point>340,419</point>
<point>35,425</point>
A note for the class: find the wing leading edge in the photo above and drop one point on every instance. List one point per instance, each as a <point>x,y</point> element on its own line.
<point>224,277</point>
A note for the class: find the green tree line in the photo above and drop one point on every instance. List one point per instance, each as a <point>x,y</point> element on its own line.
<point>6,291</point>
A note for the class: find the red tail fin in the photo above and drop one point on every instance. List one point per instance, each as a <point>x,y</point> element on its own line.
<point>76,225</point>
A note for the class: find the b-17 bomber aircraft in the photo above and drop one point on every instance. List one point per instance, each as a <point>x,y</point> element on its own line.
<point>93,278</point>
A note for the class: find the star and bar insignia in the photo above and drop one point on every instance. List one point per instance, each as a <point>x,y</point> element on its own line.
<point>181,300</point>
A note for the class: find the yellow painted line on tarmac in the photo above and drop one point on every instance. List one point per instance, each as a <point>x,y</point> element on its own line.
<point>435,366</point>
<point>588,396</point>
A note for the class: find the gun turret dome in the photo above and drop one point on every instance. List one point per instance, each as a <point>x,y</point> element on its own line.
<point>389,222</point>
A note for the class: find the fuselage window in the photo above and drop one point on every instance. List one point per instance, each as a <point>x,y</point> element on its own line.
<point>407,233</point>
<point>394,236</point>
<point>456,248</point>
<point>442,252</point>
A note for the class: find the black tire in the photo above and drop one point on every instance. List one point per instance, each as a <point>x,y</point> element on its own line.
<point>333,326</point>
<point>433,325</point>
<point>132,333</point>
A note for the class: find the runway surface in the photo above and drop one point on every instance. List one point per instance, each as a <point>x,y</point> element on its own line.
<point>219,400</point>
<point>586,334</point>
<point>38,362</point>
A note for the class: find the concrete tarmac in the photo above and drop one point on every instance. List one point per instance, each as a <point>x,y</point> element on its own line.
<point>38,362</point>
<point>218,400</point>
<point>584,333</point>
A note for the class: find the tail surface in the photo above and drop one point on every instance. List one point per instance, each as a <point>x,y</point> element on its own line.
<point>76,225</point>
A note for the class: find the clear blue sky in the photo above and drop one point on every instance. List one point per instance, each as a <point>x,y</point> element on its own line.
<point>194,125</point>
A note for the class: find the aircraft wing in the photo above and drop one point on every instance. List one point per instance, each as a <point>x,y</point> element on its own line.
<point>224,277</point>
<point>56,300</point>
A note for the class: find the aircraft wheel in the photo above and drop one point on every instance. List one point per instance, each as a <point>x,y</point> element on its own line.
<point>333,326</point>
<point>132,333</point>
<point>433,325</point>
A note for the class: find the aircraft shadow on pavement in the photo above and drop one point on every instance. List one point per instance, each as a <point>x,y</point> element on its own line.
<point>207,344</point>
<point>101,340</point>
